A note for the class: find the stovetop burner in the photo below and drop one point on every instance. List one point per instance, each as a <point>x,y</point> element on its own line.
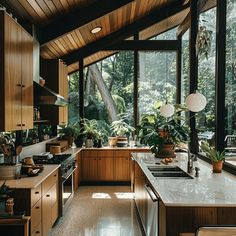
<point>50,159</point>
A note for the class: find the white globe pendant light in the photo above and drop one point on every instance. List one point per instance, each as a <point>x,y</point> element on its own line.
<point>167,110</point>
<point>196,102</point>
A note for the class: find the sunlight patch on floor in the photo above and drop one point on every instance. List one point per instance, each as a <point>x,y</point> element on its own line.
<point>124,195</point>
<point>101,195</point>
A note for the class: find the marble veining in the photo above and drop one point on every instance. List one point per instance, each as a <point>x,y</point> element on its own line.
<point>99,211</point>
<point>209,189</point>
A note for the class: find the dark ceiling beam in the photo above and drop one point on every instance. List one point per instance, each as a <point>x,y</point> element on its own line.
<point>203,5</point>
<point>144,45</point>
<point>79,18</point>
<point>152,18</point>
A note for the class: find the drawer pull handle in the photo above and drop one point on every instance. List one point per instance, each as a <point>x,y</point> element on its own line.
<point>37,192</point>
<point>22,85</point>
<point>37,207</point>
<point>18,85</point>
<point>23,124</point>
<point>55,175</point>
<point>37,232</point>
<point>18,125</point>
<point>48,195</point>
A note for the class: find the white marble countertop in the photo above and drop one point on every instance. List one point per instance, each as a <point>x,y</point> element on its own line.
<point>207,190</point>
<point>31,182</point>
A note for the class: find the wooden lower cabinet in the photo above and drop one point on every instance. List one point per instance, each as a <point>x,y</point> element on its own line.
<point>41,204</point>
<point>107,165</point>
<point>105,169</point>
<point>77,172</point>
<point>89,169</point>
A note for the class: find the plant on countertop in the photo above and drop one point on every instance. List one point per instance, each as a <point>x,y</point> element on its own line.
<point>121,128</point>
<point>215,156</point>
<point>95,131</point>
<point>162,134</point>
<point>70,132</point>
<point>5,191</point>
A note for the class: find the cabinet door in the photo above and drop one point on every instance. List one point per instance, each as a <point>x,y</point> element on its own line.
<point>89,168</point>
<point>46,213</point>
<point>105,169</point>
<point>54,203</point>
<point>12,76</point>
<point>122,169</point>
<point>27,80</point>
<point>65,93</point>
<point>76,174</point>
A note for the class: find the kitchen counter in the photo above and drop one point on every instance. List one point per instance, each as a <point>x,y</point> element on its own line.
<point>207,190</point>
<point>31,182</point>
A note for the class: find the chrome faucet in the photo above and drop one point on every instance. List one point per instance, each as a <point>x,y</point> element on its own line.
<point>190,162</point>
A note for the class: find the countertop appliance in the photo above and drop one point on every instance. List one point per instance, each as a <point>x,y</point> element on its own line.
<point>67,168</point>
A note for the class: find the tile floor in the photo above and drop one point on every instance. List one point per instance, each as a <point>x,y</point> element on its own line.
<point>99,211</point>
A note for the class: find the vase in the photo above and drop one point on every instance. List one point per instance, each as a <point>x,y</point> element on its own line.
<point>217,166</point>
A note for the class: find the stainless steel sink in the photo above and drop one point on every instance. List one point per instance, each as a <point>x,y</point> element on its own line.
<point>174,172</point>
<point>164,168</point>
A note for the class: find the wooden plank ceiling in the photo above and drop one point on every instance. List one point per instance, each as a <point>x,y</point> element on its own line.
<point>42,12</point>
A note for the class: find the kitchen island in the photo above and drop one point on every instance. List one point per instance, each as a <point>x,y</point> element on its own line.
<point>184,204</point>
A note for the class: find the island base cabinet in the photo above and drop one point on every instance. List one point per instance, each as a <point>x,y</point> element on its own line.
<point>176,220</point>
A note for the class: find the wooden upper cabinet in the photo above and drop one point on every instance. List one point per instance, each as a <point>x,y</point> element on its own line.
<point>16,76</point>
<point>54,72</point>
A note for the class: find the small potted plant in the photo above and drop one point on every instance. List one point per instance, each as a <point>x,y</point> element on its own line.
<point>217,157</point>
<point>121,129</point>
<point>70,133</point>
<point>89,130</point>
<point>5,193</point>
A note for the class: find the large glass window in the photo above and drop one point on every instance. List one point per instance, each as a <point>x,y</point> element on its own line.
<point>185,67</point>
<point>157,82</point>
<point>73,98</point>
<point>108,85</point>
<point>230,101</point>
<point>206,79</point>
<point>168,35</point>
<point>230,79</point>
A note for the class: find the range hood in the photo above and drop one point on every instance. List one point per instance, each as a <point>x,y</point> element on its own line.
<point>45,96</point>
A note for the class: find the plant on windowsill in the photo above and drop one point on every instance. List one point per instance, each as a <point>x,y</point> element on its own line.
<point>162,134</point>
<point>122,130</point>
<point>217,157</point>
<point>70,133</point>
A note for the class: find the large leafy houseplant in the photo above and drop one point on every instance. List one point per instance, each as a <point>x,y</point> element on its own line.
<point>121,128</point>
<point>162,134</point>
<point>70,132</point>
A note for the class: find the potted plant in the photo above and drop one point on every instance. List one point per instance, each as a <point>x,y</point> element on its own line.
<point>217,157</point>
<point>70,133</point>
<point>121,129</point>
<point>89,130</point>
<point>5,193</point>
<point>162,134</point>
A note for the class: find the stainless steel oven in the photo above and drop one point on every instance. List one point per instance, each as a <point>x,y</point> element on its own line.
<point>67,187</point>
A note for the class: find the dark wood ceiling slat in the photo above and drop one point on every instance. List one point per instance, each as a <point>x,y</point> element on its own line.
<point>79,18</point>
<point>125,32</point>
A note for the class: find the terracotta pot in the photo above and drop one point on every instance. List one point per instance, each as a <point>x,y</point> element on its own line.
<point>168,150</point>
<point>217,166</point>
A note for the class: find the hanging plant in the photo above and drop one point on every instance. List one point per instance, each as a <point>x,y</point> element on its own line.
<point>203,42</point>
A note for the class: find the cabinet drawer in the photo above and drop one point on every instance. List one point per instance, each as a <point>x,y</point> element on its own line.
<point>37,231</point>
<point>89,154</point>
<point>35,194</point>
<point>124,154</point>
<point>105,154</point>
<point>36,215</point>
<point>47,184</point>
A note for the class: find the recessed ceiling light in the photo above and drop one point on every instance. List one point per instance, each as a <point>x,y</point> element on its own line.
<point>96,30</point>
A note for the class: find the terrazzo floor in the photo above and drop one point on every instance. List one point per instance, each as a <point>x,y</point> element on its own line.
<point>99,211</point>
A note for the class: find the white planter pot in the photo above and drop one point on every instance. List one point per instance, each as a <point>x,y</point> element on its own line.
<point>89,143</point>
